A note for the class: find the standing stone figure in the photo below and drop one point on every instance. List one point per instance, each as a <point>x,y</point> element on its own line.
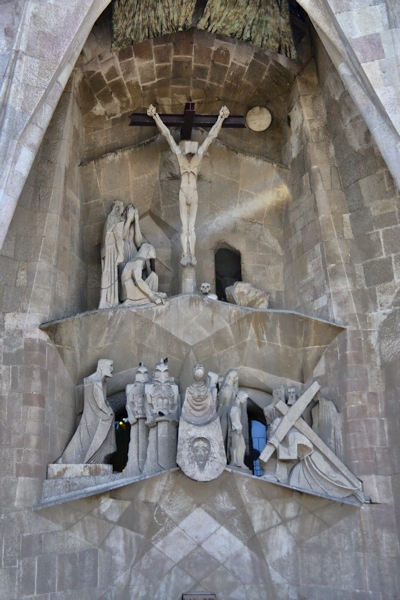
<point>94,440</point>
<point>189,157</point>
<point>135,289</point>
<point>226,398</point>
<point>162,408</point>
<point>112,255</point>
<point>132,235</point>
<point>135,407</point>
<point>238,443</point>
<point>121,240</point>
<point>201,453</point>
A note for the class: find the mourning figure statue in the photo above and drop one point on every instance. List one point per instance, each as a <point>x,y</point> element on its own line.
<point>135,289</point>
<point>226,398</point>
<point>112,255</point>
<point>125,258</point>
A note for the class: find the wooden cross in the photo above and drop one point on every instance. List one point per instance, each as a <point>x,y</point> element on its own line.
<point>188,120</point>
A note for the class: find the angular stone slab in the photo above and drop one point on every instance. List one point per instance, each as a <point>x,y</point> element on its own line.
<point>100,485</point>
<point>282,344</point>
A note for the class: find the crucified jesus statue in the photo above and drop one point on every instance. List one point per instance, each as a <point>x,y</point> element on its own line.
<point>189,157</point>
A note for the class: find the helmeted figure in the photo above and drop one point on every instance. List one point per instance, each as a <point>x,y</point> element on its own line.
<point>135,407</point>
<point>162,415</point>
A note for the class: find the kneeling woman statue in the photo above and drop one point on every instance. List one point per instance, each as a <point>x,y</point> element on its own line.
<point>136,290</point>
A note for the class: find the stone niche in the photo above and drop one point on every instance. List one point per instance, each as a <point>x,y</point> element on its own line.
<point>242,201</point>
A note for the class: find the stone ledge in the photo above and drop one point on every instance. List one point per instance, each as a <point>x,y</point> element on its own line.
<point>60,471</point>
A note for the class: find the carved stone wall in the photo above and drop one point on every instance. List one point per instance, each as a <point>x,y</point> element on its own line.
<point>340,261</point>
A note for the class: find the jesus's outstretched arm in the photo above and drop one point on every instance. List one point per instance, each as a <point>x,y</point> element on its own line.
<point>152,112</point>
<point>214,131</point>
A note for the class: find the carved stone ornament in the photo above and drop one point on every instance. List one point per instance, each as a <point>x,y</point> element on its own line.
<point>201,453</point>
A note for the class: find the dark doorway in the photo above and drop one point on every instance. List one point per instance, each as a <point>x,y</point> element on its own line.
<point>122,431</point>
<point>228,270</point>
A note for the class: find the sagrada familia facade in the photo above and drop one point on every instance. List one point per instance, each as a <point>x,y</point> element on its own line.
<point>200,299</point>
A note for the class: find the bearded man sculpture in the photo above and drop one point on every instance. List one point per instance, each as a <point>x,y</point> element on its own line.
<point>94,439</point>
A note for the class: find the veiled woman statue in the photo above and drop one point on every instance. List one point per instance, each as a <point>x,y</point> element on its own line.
<point>121,240</point>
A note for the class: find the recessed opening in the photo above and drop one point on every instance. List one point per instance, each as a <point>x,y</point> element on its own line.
<point>122,431</point>
<point>228,270</point>
<point>257,436</point>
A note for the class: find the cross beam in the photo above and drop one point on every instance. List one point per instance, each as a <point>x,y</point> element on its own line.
<point>188,120</point>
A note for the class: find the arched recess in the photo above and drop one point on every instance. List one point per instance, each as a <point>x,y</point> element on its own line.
<point>228,269</point>
<point>51,35</point>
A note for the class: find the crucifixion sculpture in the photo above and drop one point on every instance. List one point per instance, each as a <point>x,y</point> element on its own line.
<point>189,156</point>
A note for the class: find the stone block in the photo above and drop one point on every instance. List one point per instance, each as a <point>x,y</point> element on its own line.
<point>378,271</point>
<point>391,240</point>
<point>77,571</point>
<point>143,50</point>
<point>46,573</point>
<point>147,72</point>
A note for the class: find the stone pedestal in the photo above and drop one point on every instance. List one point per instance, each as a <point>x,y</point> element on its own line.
<point>188,275</point>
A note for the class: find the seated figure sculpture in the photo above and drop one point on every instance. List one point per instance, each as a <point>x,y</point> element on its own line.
<point>135,289</point>
<point>94,439</point>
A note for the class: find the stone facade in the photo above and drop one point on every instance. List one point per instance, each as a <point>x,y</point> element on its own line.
<point>312,206</point>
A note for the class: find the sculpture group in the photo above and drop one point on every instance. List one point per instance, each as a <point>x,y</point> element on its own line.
<point>128,276</point>
<point>209,430</point>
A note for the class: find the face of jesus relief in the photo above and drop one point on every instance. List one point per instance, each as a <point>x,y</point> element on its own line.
<point>201,451</point>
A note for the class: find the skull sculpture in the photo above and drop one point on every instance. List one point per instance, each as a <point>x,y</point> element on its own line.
<point>205,288</point>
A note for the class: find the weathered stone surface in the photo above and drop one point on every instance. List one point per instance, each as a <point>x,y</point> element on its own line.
<point>66,471</point>
<point>214,331</point>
